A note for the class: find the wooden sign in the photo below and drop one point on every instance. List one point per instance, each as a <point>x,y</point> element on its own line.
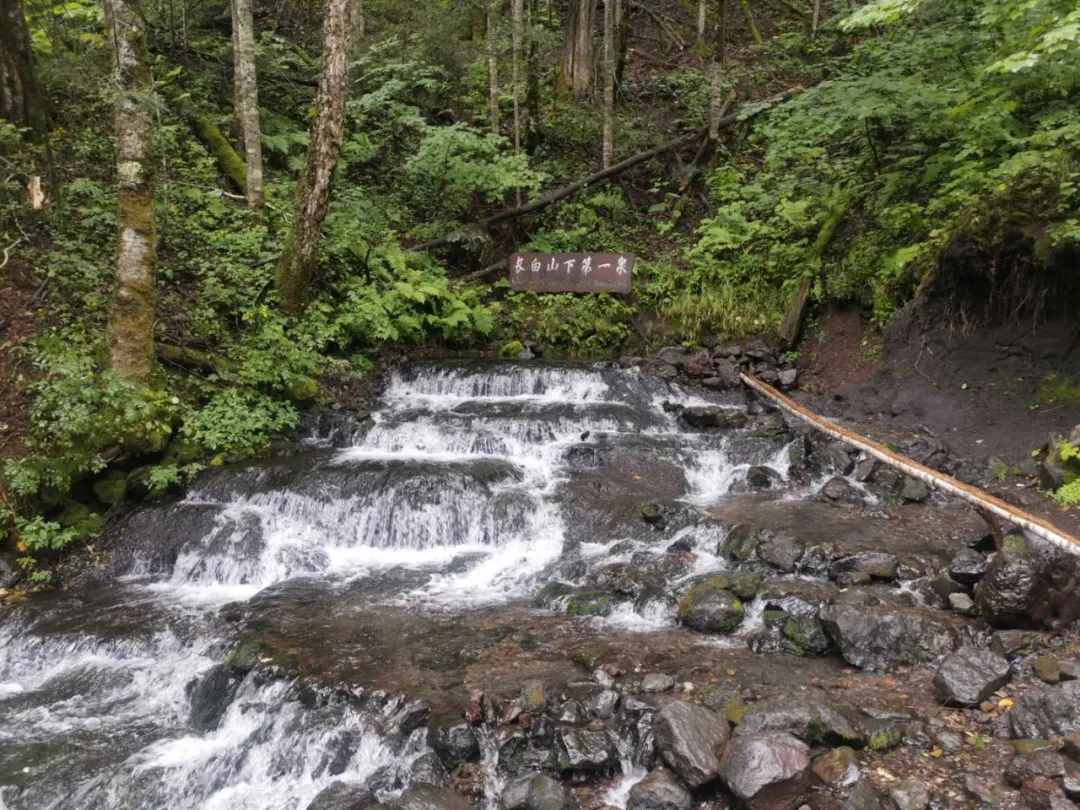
<point>572,272</point>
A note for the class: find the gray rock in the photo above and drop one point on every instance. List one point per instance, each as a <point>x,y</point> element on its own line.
<point>343,796</point>
<point>427,769</point>
<point>836,457</point>
<point>572,712</point>
<point>781,550</point>
<point>9,574</point>
<point>673,355</point>
<point>740,543</point>
<point>690,739</point>
<point>969,676</point>
<point>812,721</point>
<point>760,477</point>
<point>585,751</point>
<point>708,608</point>
<point>1046,711</point>
<point>875,564</point>
<point>210,696</point>
<point>429,797</point>
<point>537,792</point>
<point>1023,767</point>
<point>1018,584</point>
<point>863,797</point>
<point>1012,643</point>
<point>840,490</point>
<point>985,791</point>
<point>881,637</point>
<point>660,790</point>
<point>753,762</point>
<point>910,794</point>
<point>838,767</point>
<point>968,566</point>
<point>914,490</point>
<point>727,373</point>
<point>456,744</point>
<point>657,682</point>
<point>712,417</point>
<point>604,703</point>
<point>962,603</point>
<point>789,378</point>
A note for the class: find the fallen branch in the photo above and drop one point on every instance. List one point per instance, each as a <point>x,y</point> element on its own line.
<point>7,252</point>
<point>981,500</point>
<point>559,194</point>
<point>228,159</point>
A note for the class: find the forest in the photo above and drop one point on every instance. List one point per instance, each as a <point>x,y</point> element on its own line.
<point>302,191</point>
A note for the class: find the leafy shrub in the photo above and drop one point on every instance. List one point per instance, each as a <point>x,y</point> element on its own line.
<point>236,422</point>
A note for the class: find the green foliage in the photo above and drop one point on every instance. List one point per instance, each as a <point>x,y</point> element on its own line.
<point>577,325</point>
<point>236,422</point>
<point>1069,494</point>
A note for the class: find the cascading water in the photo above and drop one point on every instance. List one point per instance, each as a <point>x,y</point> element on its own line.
<point>115,696</point>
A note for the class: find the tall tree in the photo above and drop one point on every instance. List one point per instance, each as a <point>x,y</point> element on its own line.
<point>517,33</point>
<point>609,83</point>
<point>493,64</point>
<point>131,316</point>
<point>748,13</point>
<point>21,101</point>
<point>716,72</point>
<point>299,262</point>
<point>361,21</point>
<point>702,20</point>
<point>246,96</point>
<point>532,79</point>
<point>578,53</point>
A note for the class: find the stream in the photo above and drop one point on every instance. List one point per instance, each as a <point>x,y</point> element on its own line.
<point>371,563</point>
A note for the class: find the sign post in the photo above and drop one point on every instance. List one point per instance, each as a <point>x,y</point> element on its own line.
<point>572,272</point>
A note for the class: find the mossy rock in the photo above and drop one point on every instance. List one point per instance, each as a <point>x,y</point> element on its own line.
<point>182,452</point>
<point>746,584</point>
<point>885,738</point>
<point>774,618</point>
<point>245,656</point>
<point>550,593</point>
<point>511,349</point>
<point>735,710</point>
<point>111,488</point>
<point>804,635</point>
<point>741,542</point>
<point>590,603</point>
<point>79,517</point>
<point>709,607</point>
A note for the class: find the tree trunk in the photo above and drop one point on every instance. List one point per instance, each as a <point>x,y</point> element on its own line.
<point>298,265</point>
<point>623,41</point>
<point>702,20</point>
<point>748,12</point>
<point>716,75</point>
<point>247,94</point>
<point>532,79</point>
<point>131,316</point>
<point>817,18</point>
<point>493,65</point>
<point>360,29</point>
<point>517,13</point>
<point>21,102</point>
<point>578,54</point>
<point>609,83</point>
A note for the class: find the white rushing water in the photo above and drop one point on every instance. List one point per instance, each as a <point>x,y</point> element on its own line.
<point>456,480</point>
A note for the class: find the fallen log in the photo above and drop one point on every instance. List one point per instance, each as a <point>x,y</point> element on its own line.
<point>973,495</point>
<point>561,193</point>
<point>228,159</point>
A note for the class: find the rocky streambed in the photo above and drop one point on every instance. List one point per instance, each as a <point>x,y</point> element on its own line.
<point>534,587</point>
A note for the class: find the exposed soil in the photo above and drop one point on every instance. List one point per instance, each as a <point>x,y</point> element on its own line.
<point>981,391</point>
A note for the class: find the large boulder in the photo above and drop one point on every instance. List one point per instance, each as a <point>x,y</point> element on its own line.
<point>343,796</point>
<point>210,696</point>
<point>969,676</point>
<point>781,550</point>
<point>868,564</point>
<point>660,790</point>
<point>812,721</point>
<point>691,739</point>
<point>882,637</point>
<point>583,750</point>
<point>429,797</point>
<point>1047,711</point>
<point>1027,583</point>
<point>709,608</point>
<point>1023,767</point>
<point>754,762</point>
<point>537,792</point>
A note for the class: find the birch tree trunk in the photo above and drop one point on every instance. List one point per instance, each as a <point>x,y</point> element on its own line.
<point>609,83</point>
<point>131,316</point>
<point>517,15</point>
<point>817,18</point>
<point>578,54</point>
<point>298,265</point>
<point>20,99</point>
<point>247,95</point>
<point>702,20</point>
<point>532,79</point>
<point>493,65</point>
<point>716,73</point>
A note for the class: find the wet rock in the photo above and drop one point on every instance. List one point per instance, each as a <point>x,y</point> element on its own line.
<point>657,682</point>
<point>838,767</point>
<point>660,790</point>
<point>584,750</point>
<point>590,603</point>
<point>840,490</point>
<point>408,718</point>
<point>427,769</point>
<point>781,550</point>
<point>760,477</point>
<point>9,575</point>
<point>537,792</point>
<point>968,566</point>
<point>533,697</point>
<point>863,797</point>
<point>673,355</point>
<point>969,676</point>
<point>834,456</point>
<point>812,721</point>
<point>754,762</point>
<point>914,491</point>
<point>882,637</point>
<point>1018,587</point>
<point>573,712</point>
<point>740,543</point>
<point>653,514</point>
<point>210,696</point>
<point>709,608</point>
<point>343,796</point>
<point>1071,747</point>
<point>910,794</point>
<point>429,797</point>
<point>712,417</point>
<point>603,704</point>
<point>1023,767</point>
<point>1047,711</point>
<point>456,744</point>
<point>690,739</point>
<point>873,564</point>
